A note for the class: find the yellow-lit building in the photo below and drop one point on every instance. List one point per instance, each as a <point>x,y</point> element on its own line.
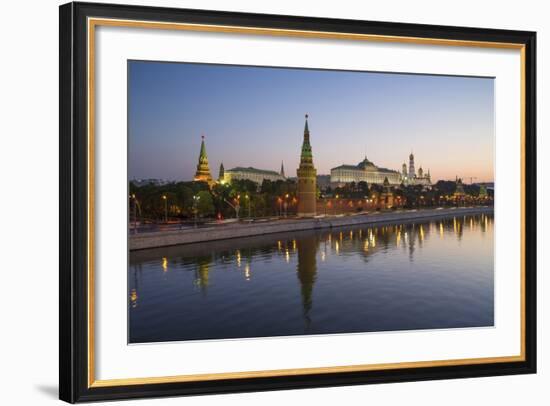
<point>364,171</point>
<point>253,174</point>
<point>412,177</point>
<point>367,171</point>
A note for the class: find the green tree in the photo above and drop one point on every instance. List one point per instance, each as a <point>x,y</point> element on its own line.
<point>267,187</point>
<point>205,204</point>
<point>363,188</point>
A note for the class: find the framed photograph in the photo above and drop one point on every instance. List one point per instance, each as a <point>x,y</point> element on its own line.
<point>256,202</point>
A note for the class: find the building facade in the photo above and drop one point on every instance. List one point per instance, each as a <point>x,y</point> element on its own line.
<point>364,171</point>
<point>253,174</point>
<point>367,171</point>
<point>411,177</point>
<point>307,179</point>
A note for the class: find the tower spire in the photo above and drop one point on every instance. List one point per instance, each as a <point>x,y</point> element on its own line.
<point>307,179</point>
<point>307,156</point>
<point>282,170</point>
<point>412,171</point>
<point>221,174</point>
<point>203,170</point>
<point>202,155</point>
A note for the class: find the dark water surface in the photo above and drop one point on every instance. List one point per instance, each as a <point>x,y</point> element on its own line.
<point>436,274</point>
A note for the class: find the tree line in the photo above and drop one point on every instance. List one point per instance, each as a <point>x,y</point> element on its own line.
<point>191,200</point>
<point>243,198</point>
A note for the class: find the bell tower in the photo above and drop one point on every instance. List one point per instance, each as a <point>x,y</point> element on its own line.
<point>412,172</point>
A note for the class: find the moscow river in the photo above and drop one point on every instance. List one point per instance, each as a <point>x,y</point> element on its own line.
<point>422,275</point>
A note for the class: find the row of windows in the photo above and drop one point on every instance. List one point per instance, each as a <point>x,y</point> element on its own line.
<point>395,178</point>
<point>252,177</point>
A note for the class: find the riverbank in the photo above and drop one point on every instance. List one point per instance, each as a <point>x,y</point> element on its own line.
<point>240,230</point>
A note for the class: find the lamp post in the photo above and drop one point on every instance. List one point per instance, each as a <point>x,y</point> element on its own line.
<point>286,204</point>
<point>135,212</point>
<point>165,208</point>
<point>195,210</point>
<point>235,206</point>
<point>247,197</point>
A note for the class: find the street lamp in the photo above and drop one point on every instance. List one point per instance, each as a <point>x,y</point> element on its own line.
<point>165,208</point>
<point>248,199</point>
<point>133,196</point>
<point>286,204</point>
<point>195,210</point>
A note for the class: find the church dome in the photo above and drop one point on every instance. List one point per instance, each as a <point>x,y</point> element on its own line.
<point>365,163</point>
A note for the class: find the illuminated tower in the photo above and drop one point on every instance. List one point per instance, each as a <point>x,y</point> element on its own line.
<point>404,170</point>
<point>203,171</point>
<point>459,191</point>
<point>412,172</point>
<point>307,179</point>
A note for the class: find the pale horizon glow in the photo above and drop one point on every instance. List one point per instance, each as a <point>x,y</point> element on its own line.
<point>254,116</point>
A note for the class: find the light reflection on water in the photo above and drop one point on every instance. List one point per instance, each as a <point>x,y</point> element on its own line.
<point>435,274</point>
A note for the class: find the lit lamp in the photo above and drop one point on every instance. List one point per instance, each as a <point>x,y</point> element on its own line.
<point>247,197</point>
<point>133,196</point>
<point>165,208</point>
<point>195,210</point>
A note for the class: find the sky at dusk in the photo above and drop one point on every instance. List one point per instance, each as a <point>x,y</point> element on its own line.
<point>254,116</point>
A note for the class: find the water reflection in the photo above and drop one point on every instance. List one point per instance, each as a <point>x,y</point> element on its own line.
<point>307,272</point>
<point>435,274</point>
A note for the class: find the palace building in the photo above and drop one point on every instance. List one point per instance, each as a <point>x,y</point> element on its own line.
<point>203,170</point>
<point>364,171</point>
<point>307,179</point>
<point>253,174</point>
<point>367,171</point>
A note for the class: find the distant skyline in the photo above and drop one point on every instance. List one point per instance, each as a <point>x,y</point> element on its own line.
<point>254,116</point>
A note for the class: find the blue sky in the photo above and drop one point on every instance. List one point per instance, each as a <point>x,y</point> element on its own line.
<point>254,116</point>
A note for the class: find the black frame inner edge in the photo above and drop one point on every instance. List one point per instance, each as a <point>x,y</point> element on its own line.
<point>73,355</point>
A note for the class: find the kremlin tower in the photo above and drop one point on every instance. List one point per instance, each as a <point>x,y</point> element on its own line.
<point>307,179</point>
<point>221,175</point>
<point>412,172</point>
<point>203,170</point>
